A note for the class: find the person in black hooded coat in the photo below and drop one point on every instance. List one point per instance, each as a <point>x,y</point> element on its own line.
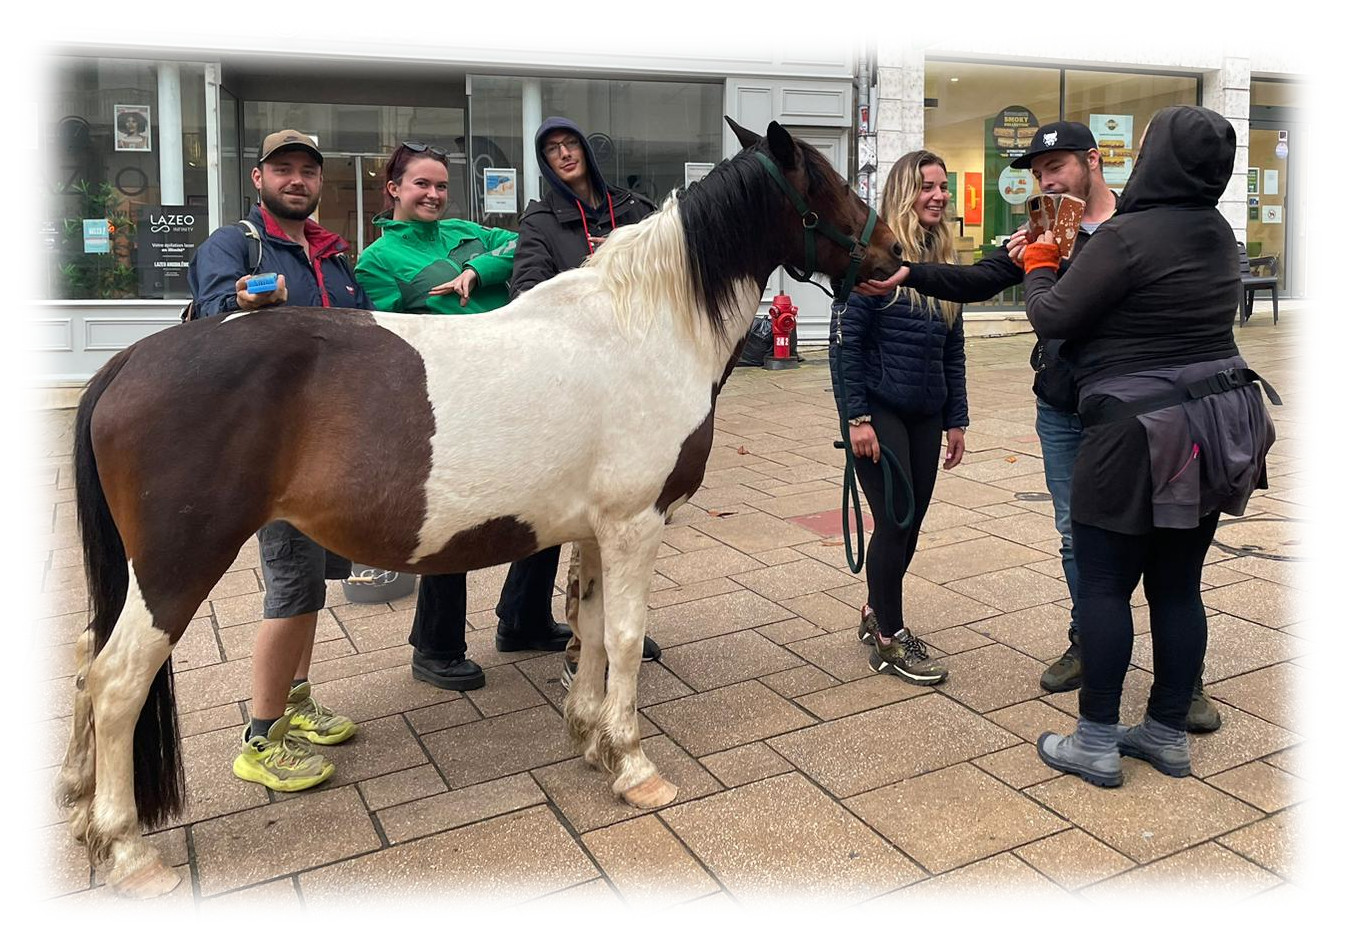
<point>1174,430</point>
<point>557,233</point>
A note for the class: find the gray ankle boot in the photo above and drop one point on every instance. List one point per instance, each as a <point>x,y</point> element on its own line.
<point>1089,752</point>
<point>1165,748</point>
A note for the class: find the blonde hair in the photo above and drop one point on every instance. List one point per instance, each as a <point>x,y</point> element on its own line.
<point>920,243</point>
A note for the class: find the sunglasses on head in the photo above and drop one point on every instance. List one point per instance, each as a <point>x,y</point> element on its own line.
<point>419,147</point>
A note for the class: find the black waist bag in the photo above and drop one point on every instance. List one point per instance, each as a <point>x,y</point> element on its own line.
<point>1054,382</point>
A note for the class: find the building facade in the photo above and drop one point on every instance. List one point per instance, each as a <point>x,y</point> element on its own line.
<point>148,149</point>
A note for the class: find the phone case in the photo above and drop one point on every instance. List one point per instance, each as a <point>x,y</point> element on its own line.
<point>1059,213</point>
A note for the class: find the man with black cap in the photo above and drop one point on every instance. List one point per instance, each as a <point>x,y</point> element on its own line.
<point>558,232</point>
<point>280,237</point>
<point>1064,158</point>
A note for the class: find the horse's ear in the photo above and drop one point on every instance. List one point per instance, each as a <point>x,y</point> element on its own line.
<point>744,137</point>
<point>782,146</point>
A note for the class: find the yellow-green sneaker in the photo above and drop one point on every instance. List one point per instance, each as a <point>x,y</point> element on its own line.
<point>315,721</point>
<point>281,760</point>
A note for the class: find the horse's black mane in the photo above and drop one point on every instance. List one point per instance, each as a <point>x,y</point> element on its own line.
<point>716,214</point>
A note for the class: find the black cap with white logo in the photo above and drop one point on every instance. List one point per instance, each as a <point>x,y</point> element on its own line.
<point>1057,136</point>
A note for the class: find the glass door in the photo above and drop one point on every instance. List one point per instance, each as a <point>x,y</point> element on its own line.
<point>1269,217</point>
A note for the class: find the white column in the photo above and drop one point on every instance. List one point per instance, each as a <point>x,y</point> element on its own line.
<point>1229,92</point>
<point>212,81</point>
<point>531,110</point>
<point>170,134</point>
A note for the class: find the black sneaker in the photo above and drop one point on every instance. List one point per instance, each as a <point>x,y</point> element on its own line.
<point>906,657</point>
<point>553,638</point>
<point>651,651</point>
<point>457,675</point>
<point>1065,674</point>
<point>869,625</point>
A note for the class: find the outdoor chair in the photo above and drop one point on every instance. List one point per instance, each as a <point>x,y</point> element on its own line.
<point>1253,283</point>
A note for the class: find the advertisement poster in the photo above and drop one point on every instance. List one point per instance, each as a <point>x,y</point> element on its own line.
<point>972,199</point>
<point>695,171</point>
<point>1254,181</point>
<point>132,127</point>
<point>499,190</point>
<point>1015,185</point>
<point>166,240</point>
<point>96,235</point>
<point>1012,130</point>
<point>1115,140</point>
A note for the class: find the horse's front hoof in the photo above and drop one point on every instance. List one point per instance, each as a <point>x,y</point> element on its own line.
<point>653,792</point>
<point>150,881</point>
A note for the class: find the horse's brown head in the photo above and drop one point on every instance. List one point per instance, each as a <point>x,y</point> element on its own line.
<point>831,208</point>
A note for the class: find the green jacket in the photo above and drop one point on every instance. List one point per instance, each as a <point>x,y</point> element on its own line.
<point>399,269</point>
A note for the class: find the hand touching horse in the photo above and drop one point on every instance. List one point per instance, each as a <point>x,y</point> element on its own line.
<point>581,412</point>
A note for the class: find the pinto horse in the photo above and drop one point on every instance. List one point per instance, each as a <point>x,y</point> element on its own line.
<point>583,411</point>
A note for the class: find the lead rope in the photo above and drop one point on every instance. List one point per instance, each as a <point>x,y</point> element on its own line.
<point>887,461</point>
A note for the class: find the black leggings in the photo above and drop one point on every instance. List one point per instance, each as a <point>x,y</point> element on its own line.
<point>915,440</point>
<point>1109,565</point>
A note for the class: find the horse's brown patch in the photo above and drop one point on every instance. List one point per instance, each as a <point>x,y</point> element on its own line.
<point>686,475</point>
<point>490,543</point>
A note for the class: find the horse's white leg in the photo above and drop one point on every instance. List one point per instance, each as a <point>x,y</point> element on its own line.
<point>117,685</point>
<point>628,552</point>
<point>76,782</point>
<point>586,615</point>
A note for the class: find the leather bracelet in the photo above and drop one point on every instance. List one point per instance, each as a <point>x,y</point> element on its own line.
<point>857,420</point>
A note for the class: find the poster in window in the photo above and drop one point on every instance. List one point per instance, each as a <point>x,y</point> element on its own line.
<point>1115,141</point>
<point>499,190</point>
<point>132,127</point>
<point>166,239</point>
<point>1254,181</point>
<point>972,200</point>
<point>1012,130</point>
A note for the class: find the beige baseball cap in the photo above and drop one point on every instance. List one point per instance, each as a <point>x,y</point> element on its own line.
<point>288,138</point>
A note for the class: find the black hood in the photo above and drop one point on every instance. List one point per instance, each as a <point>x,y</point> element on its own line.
<point>564,124</point>
<point>1186,160</point>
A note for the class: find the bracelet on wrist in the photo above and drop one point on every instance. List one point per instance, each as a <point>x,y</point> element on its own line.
<point>857,420</point>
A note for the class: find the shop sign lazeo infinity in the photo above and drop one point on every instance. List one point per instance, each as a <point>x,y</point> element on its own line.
<point>166,240</point>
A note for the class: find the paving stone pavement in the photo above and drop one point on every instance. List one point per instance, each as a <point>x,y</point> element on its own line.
<point>800,771</point>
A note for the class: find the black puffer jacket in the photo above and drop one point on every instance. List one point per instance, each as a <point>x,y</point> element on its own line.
<point>553,229</point>
<point>904,355</point>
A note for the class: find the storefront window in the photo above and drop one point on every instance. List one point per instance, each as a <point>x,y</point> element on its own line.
<point>643,133</point>
<point>981,116</point>
<point>128,185</point>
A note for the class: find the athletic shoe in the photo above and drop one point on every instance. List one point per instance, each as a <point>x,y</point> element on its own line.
<point>1065,674</point>
<point>315,721</point>
<point>906,657</point>
<point>1203,716</point>
<point>281,760</point>
<point>1090,752</point>
<point>869,625</point>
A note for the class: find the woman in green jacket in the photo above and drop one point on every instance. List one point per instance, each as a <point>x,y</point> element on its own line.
<point>425,264</point>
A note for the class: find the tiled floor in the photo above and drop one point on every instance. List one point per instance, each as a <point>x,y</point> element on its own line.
<point>800,772</point>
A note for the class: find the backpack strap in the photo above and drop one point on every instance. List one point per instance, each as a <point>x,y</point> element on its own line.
<point>252,237</point>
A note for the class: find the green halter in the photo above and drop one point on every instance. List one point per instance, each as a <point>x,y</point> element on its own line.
<point>812,225</point>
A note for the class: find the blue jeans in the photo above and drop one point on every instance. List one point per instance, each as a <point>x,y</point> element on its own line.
<point>1060,432</point>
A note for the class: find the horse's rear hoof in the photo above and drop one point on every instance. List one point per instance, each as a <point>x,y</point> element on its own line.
<point>651,793</point>
<point>150,881</point>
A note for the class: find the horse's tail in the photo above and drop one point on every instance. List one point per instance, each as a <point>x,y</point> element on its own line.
<point>158,778</point>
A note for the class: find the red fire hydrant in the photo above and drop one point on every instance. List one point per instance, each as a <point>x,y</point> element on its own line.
<point>783,317</point>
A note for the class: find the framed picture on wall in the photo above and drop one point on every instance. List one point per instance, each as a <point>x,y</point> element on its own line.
<point>132,127</point>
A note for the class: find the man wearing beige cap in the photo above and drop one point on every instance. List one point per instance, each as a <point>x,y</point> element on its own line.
<point>279,236</point>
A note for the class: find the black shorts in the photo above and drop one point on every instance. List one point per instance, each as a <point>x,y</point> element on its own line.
<point>295,569</point>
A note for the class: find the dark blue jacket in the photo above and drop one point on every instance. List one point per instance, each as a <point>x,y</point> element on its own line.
<point>904,355</point>
<point>327,281</point>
